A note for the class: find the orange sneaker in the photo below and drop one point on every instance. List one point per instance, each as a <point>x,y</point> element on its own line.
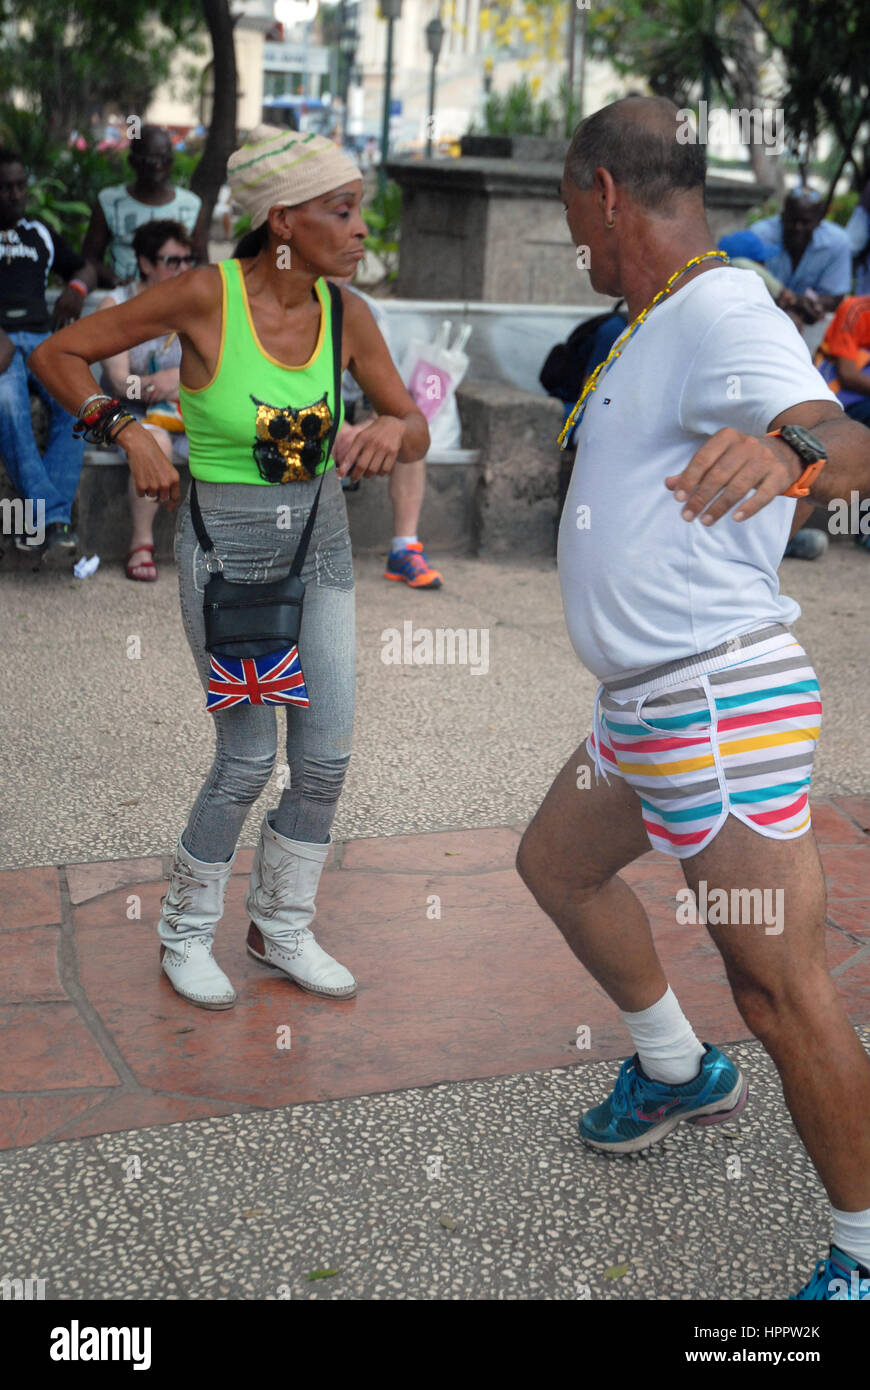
<point>412,567</point>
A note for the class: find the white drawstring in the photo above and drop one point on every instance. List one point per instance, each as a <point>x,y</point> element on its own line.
<point>596,734</point>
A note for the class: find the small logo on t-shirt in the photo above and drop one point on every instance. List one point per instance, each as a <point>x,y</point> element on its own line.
<point>607,400</point>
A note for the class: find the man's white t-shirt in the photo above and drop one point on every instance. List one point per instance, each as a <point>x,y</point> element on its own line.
<point>641,586</point>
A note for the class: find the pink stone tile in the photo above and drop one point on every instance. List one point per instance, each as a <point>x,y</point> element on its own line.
<point>28,1119</point>
<point>48,1047</point>
<point>851,965</point>
<point>489,987</point>
<point>138,1110</point>
<point>847,871</point>
<point>852,914</point>
<point>832,827</point>
<point>858,807</point>
<point>244,861</point>
<point>29,898</point>
<point>840,951</point>
<point>30,966</point>
<point>460,975</point>
<point>90,880</point>
<point>454,851</point>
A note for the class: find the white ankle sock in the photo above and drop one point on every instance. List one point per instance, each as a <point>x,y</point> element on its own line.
<point>665,1041</point>
<point>852,1234</point>
<point>402,542</point>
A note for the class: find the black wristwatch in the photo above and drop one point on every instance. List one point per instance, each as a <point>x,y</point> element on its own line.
<point>809,449</point>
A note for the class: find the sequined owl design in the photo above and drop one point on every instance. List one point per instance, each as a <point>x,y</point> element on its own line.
<point>288,446</point>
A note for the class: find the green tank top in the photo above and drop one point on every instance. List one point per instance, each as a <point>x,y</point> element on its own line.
<point>257,420</point>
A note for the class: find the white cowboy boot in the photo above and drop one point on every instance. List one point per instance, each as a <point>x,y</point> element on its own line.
<point>280,901</point>
<point>192,909</point>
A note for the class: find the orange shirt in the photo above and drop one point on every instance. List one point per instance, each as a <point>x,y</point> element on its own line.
<point>848,335</point>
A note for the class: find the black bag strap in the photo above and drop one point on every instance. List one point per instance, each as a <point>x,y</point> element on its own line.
<point>299,558</point>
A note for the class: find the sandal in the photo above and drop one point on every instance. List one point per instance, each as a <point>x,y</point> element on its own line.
<point>141,565</point>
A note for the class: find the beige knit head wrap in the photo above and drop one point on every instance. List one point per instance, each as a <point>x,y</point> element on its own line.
<point>285,167</point>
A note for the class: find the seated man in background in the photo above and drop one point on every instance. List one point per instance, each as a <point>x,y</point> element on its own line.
<point>124,207</point>
<point>29,252</point>
<point>407,561</point>
<point>813,257</point>
<point>747,251</point>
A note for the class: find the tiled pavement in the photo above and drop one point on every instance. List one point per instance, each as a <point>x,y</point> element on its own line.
<point>196,1178</point>
<point>461,978</point>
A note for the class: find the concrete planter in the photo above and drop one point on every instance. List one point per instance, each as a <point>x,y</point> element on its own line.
<point>530,149</point>
<point>492,229</point>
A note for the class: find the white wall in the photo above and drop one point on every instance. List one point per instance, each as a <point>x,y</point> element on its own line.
<point>175,102</point>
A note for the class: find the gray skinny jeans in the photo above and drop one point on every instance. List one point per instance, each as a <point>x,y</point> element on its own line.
<point>256,541</point>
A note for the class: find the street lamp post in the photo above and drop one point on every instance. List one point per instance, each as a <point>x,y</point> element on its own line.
<point>347,46</point>
<point>391,10</point>
<point>434,39</point>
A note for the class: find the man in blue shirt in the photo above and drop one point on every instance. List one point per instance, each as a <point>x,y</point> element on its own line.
<point>814,257</point>
<point>45,480</point>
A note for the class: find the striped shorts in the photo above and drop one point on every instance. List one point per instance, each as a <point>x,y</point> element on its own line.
<point>730,731</point>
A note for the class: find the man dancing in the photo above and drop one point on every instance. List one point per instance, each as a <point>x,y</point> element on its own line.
<point>708,712</point>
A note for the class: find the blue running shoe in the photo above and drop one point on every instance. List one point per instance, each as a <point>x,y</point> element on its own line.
<point>640,1111</point>
<point>839,1278</point>
<point>412,566</point>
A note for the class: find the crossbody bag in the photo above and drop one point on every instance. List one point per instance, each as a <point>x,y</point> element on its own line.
<point>252,630</point>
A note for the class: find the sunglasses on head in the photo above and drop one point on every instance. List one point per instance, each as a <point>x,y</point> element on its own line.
<point>175,261</point>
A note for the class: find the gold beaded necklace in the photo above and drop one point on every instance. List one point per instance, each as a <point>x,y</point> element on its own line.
<point>579,409</point>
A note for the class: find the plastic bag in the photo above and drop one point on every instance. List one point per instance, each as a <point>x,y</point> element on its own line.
<point>432,372</point>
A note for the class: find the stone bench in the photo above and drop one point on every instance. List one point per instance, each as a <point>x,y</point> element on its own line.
<point>101,516</point>
<point>497,494</point>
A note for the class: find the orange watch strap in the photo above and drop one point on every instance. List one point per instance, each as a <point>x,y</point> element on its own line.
<point>801,486</point>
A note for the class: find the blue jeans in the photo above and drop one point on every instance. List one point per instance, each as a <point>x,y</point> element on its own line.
<point>54,478</point>
<point>242,521</point>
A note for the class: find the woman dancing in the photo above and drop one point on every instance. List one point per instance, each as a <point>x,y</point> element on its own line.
<point>256,386</point>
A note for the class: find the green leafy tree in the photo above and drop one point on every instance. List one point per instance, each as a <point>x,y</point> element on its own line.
<point>821,78</point>
<point>825,49</point>
<point>65,59</point>
<point>383,216</point>
<point>69,57</point>
<point>220,141</point>
<point>518,112</point>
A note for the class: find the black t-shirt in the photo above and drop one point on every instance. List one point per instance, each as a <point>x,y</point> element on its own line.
<point>28,251</point>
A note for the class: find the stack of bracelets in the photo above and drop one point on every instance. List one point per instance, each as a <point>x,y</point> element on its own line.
<point>104,421</point>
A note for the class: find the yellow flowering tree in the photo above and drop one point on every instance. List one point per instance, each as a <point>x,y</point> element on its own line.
<point>534,34</point>
<point>534,31</point>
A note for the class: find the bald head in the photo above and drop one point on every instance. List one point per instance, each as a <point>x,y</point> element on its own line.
<point>635,140</point>
<point>803,204</point>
